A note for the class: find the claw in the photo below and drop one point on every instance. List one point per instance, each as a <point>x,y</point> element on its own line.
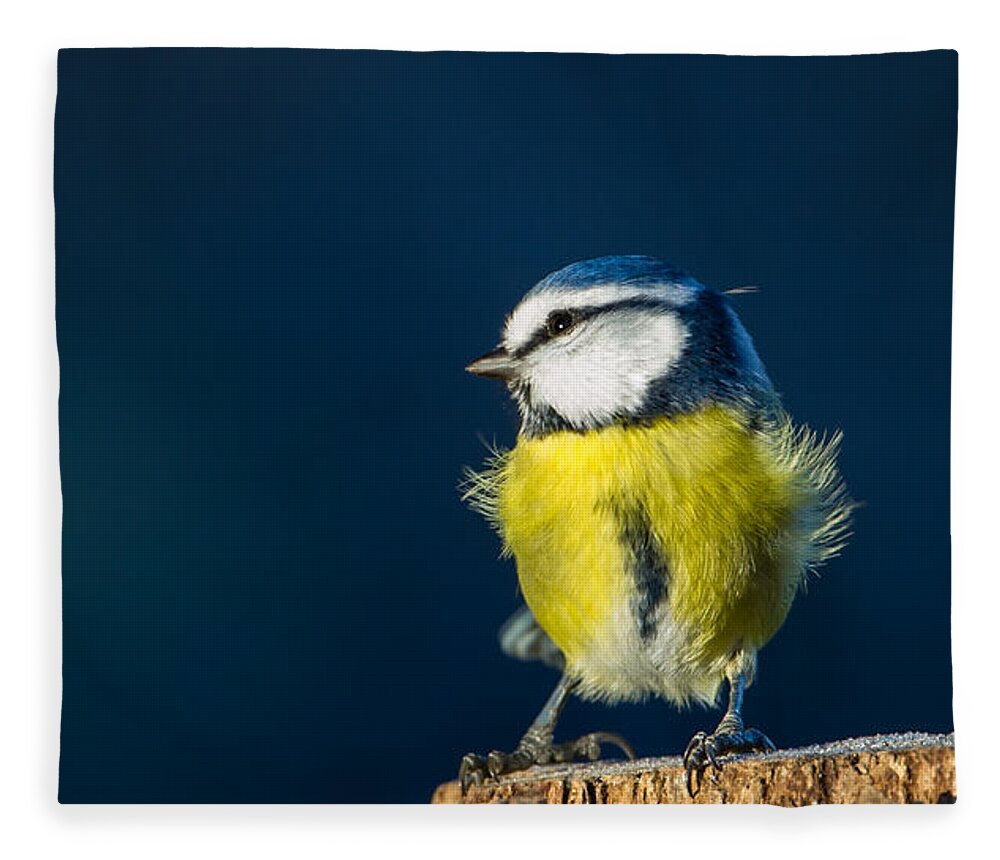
<point>589,747</point>
<point>616,741</point>
<point>474,769</point>
<point>758,739</point>
<point>693,744</point>
<point>705,749</point>
<point>689,778</point>
<point>470,771</point>
<point>494,763</point>
<point>710,752</point>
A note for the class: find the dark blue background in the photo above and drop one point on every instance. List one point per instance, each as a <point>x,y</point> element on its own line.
<point>273,266</point>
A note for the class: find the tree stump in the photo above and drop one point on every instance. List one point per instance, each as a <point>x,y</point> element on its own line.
<point>900,768</point>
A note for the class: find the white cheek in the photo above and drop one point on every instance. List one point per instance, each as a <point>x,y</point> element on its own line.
<point>605,369</point>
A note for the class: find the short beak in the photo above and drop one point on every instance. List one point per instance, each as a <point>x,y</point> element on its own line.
<point>498,364</point>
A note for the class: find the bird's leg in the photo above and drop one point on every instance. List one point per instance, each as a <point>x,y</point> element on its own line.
<point>537,747</point>
<point>730,736</point>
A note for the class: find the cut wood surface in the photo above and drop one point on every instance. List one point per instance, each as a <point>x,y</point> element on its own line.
<point>900,768</point>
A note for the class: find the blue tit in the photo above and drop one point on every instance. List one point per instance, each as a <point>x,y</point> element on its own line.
<point>661,507</point>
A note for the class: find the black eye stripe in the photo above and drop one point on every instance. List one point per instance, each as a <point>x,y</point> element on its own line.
<point>580,314</point>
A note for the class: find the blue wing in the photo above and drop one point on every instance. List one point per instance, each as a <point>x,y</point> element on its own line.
<point>522,638</point>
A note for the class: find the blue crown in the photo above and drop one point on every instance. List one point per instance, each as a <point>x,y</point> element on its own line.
<point>635,271</point>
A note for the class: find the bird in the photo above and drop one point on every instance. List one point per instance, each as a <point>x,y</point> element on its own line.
<point>661,506</point>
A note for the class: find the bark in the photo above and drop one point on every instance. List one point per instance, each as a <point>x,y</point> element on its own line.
<point>901,768</point>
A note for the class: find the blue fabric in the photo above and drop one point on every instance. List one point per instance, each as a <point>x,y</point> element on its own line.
<point>272,268</point>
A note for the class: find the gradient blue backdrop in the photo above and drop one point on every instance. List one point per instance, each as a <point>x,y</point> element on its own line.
<point>272,267</point>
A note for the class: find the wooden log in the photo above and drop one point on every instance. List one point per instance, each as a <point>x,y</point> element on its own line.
<point>900,768</point>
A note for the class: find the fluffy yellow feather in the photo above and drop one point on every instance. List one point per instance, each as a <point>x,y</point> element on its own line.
<point>740,513</point>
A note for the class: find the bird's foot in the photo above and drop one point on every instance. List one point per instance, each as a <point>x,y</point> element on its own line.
<point>729,737</point>
<point>474,768</point>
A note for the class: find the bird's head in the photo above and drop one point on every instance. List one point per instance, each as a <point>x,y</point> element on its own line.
<point>621,339</point>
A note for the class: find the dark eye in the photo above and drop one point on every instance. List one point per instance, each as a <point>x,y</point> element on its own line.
<point>559,322</point>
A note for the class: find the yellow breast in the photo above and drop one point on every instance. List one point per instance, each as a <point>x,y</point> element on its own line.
<point>727,506</point>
